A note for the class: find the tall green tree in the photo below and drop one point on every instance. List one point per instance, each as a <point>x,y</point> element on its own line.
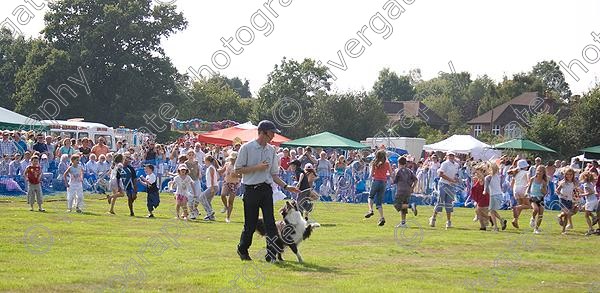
<point>553,79</point>
<point>289,94</point>
<point>117,46</point>
<point>352,115</point>
<point>581,127</point>
<point>13,53</point>
<point>214,100</point>
<point>391,87</point>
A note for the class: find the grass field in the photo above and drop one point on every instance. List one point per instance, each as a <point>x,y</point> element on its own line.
<point>96,252</point>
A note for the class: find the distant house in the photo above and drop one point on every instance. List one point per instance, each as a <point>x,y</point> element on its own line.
<point>398,111</point>
<point>512,117</point>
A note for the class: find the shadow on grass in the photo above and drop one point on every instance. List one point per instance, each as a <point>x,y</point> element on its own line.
<point>306,267</point>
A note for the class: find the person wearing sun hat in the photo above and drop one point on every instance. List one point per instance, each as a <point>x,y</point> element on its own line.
<point>448,173</point>
<point>258,164</point>
<point>519,185</point>
<point>184,188</point>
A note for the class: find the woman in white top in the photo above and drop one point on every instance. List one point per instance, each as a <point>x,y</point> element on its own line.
<point>519,185</point>
<point>212,183</point>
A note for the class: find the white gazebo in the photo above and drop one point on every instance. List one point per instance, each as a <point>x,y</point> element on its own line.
<point>464,144</point>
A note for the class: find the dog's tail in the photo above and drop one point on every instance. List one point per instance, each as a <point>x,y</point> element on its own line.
<point>260,227</point>
<point>309,230</point>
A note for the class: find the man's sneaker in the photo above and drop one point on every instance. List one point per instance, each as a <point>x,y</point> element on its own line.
<point>132,215</point>
<point>413,207</point>
<point>227,220</point>
<point>223,210</point>
<point>41,210</point>
<point>78,210</point>
<point>31,209</point>
<point>482,229</point>
<point>381,222</point>
<point>569,226</point>
<point>369,214</point>
<point>532,223</point>
<point>150,216</point>
<point>495,229</point>
<point>243,256</point>
<point>504,221</point>
<point>448,224</point>
<point>69,210</point>
<point>401,226</point>
<point>590,232</point>
<point>432,222</point>
<point>560,221</point>
<point>476,218</point>
<point>536,231</point>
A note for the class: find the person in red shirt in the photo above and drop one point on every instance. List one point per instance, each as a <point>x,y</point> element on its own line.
<point>482,199</point>
<point>284,163</point>
<point>33,176</point>
<point>380,170</point>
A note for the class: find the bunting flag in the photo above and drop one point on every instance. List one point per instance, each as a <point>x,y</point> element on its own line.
<point>199,125</point>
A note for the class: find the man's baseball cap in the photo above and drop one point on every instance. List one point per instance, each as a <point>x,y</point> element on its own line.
<point>267,125</point>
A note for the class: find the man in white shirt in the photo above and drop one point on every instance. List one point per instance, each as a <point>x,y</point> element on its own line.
<point>448,173</point>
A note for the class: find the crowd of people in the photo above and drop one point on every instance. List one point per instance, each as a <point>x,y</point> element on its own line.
<point>198,172</point>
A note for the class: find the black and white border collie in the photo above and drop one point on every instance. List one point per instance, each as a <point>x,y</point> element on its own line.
<point>291,231</point>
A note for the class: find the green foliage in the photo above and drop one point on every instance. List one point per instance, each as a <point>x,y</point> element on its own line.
<point>431,135</point>
<point>117,44</point>
<point>352,115</point>
<point>292,85</point>
<point>391,87</point>
<point>215,100</point>
<point>581,127</point>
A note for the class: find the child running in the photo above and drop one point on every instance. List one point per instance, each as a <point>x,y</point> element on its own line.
<point>150,182</point>
<point>184,188</point>
<point>380,169</point>
<point>115,184</point>
<point>566,190</point>
<point>481,199</point>
<point>537,188</point>
<point>75,184</point>
<point>591,201</point>
<point>212,183</point>
<point>493,188</point>
<point>231,184</point>
<point>405,181</point>
<point>33,176</point>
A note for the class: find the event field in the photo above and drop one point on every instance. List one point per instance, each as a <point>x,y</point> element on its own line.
<point>95,252</point>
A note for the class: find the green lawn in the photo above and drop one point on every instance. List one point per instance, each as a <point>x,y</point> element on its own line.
<point>93,251</point>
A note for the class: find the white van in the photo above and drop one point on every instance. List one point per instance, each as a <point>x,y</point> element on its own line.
<point>78,129</point>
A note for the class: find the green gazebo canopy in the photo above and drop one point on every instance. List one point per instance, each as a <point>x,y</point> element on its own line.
<point>594,149</point>
<point>523,145</point>
<point>325,140</point>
